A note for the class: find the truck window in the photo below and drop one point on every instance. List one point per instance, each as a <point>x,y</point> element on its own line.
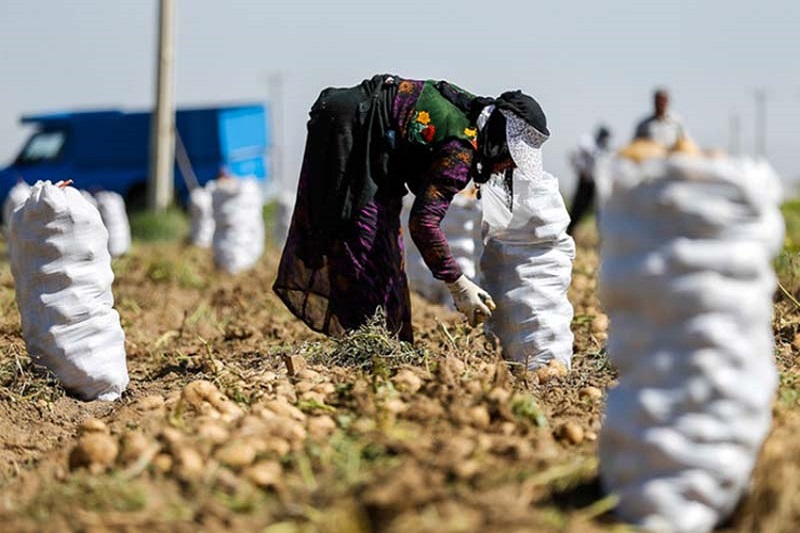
<point>41,147</point>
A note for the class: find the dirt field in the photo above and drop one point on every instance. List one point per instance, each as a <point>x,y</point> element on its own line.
<point>239,418</point>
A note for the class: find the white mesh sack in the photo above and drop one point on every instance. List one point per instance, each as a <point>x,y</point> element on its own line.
<point>461,226</point>
<point>62,274</point>
<point>16,197</point>
<point>687,282</point>
<point>239,227</point>
<point>201,212</point>
<point>112,210</point>
<point>526,266</point>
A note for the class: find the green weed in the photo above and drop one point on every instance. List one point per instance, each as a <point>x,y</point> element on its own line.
<point>371,347</point>
<point>526,408</point>
<point>172,225</point>
<point>23,380</point>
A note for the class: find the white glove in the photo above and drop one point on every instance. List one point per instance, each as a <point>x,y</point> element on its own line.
<point>471,300</point>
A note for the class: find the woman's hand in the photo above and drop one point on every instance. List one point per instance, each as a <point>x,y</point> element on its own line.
<point>471,300</point>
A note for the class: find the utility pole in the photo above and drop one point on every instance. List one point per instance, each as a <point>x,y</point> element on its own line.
<point>162,129</point>
<point>734,134</point>
<point>761,122</point>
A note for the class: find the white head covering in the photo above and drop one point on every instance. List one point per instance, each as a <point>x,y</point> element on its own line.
<point>524,144</point>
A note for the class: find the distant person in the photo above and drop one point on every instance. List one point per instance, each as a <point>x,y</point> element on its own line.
<point>661,127</point>
<point>584,160</point>
<point>367,146</point>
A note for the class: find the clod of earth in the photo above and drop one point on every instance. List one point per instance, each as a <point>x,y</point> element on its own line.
<point>284,409</point>
<point>499,395</point>
<point>406,380</point>
<point>571,432</point>
<point>265,474</point>
<point>213,431</point>
<point>236,455</point>
<point>95,451</point>
<point>479,416</point>
<point>591,393</point>
<point>600,323</point>
<point>150,403</point>
<point>276,446</point>
<point>558,368</point>
<point>92,425</point>
<point>320,427</point>
<point>134,444</point>
<point>189,463</point>
<point>163,462</point>
<point>294,364</point>
<point>206,398</point>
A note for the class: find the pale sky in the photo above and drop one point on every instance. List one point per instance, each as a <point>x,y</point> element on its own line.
<point>585,61</point>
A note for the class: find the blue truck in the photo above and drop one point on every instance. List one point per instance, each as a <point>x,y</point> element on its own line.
<point>109,149</point>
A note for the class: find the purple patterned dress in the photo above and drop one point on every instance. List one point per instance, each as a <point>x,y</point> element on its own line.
<point>365,267</point>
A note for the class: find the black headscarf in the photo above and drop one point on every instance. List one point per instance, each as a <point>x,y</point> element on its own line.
<point>525,107</point>
<point>492,146</point>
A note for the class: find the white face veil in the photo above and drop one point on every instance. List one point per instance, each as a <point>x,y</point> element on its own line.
<point>524,144</point>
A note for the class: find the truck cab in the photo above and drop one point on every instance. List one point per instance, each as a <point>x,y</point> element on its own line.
<point>109,149</point>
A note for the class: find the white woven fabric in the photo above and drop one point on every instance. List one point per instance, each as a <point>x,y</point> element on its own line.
<point>201,213</point>
<point>461,226</point>
<point>687,282</point>
<point>16,197</point>
<point>524,144</point>
<point>112,210</point>
<point>62,274</point>
<point>239,227</point>
<point>88,196</point>
<point>526,266</point>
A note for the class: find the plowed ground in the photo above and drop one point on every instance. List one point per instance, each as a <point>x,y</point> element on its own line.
<point>288,431</point>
